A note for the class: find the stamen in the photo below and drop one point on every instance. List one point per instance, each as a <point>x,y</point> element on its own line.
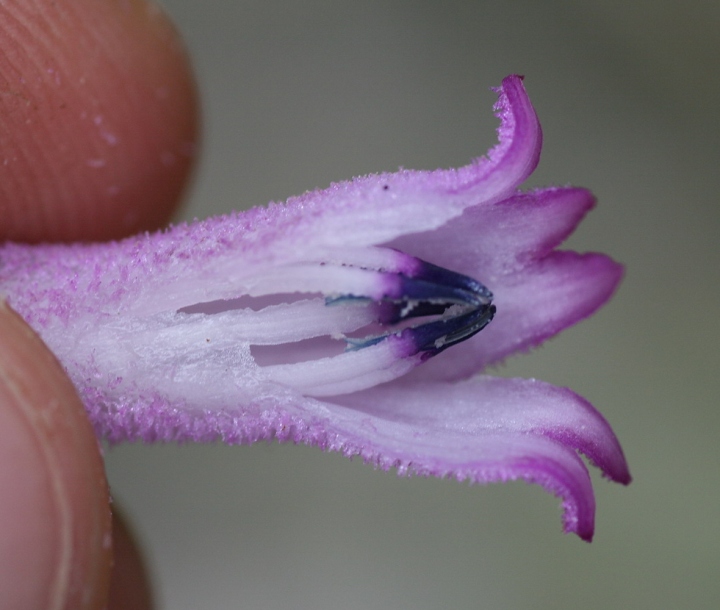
<point>397,317</point>
<point>434,337</point>
<point>351,371</point>
<point>439,275</point>
<point>459,307</point>
<point>291,322</point>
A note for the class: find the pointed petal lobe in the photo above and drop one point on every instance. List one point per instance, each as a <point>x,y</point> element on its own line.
<point>482,430</point>
<point>538,291</point>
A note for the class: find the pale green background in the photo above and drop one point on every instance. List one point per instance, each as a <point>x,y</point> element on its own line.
<point>298,94</point>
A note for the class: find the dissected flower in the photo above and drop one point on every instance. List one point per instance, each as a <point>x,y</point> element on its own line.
<point>348,319</point>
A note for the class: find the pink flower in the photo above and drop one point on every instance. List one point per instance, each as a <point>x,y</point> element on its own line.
<point>334,320</point>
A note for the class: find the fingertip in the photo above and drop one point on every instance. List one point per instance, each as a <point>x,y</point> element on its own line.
<point>98,120</point>
<point>54,511</point>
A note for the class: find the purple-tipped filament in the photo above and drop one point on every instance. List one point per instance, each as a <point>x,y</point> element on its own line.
<point>391,320</point>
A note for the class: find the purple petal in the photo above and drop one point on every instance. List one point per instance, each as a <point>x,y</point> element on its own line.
<point>508,246</point>
<point>483,430</point>
<point>378,208</point>
<point>491,404</point>
<point>495,238</point>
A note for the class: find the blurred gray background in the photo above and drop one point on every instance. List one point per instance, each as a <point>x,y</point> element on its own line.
<point>299,94</point>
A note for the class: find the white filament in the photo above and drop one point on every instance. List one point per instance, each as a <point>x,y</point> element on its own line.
<point>192,343</point>
<point>348,372</point>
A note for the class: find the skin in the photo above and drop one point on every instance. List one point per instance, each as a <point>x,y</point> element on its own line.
<point>98,123</point>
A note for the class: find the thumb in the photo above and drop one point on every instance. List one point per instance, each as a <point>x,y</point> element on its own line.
<point>55,525</point>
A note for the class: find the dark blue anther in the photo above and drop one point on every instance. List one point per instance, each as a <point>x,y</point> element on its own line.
<point>414,289</point>
<point>434,337</point>
<point>451,279</point>
<point>458,305</point>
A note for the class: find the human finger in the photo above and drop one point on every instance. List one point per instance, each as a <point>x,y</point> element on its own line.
<point>55,527</point>
<point>98,119</point>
